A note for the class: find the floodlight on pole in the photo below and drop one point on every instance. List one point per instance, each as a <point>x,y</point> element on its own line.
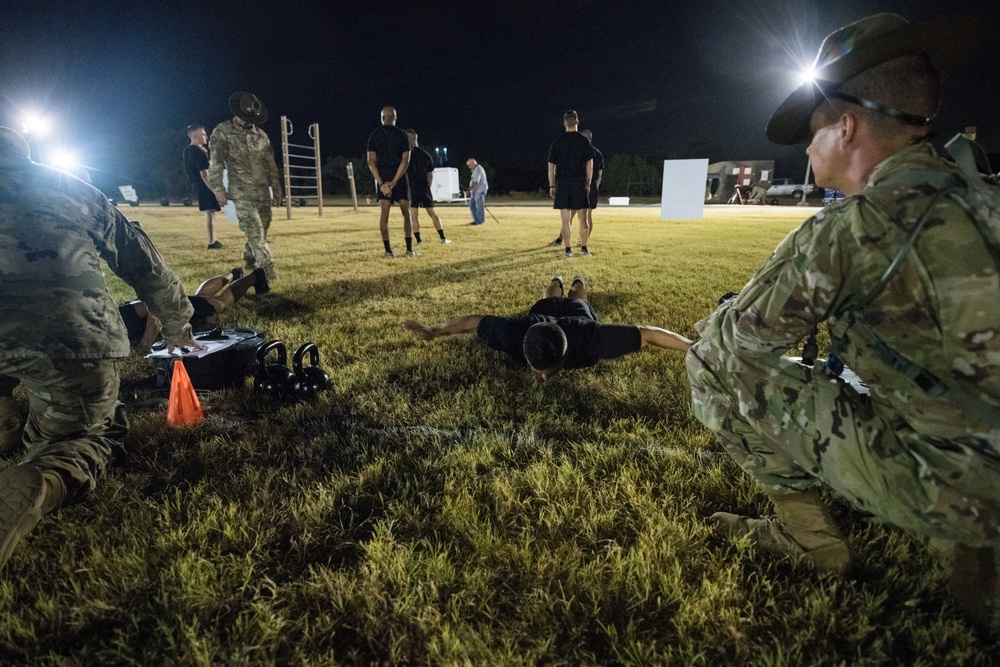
<point>37,125</point>
<point>64,160</point>
<point>807,75</point>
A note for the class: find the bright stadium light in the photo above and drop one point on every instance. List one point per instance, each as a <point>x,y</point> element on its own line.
<point>65,160</point>
<point>37,125</point>
<point>807,76</point>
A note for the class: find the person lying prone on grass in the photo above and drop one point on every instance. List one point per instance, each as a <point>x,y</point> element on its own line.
<point>558,332</point>
<point>213,296</point>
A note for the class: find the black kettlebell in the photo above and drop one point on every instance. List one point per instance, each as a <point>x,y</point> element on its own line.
<point>272,379</point>
<point>309,380</point>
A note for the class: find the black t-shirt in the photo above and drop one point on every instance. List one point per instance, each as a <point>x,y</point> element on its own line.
<point>195,159</point>
<point>389,143</point>
<point>136,326</point>
<point>587,341</point>
<point>570,153</point>
<point>421,164</point>
<point>598,165</point>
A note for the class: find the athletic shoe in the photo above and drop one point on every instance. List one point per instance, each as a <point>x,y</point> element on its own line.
<point>568,253</point>
<point>25,497</point>
<point>559,279</point>
<point>237,272</point>
<point>586,252</point>
<point>411,253</point>
<point>557,242</point>
<point>445,241</point>
<point>578,279</point>
<point>215,246</point>
<point>420,242</point>
<point>389,255</point>
<point>475,223</point>
<point>261,285</point>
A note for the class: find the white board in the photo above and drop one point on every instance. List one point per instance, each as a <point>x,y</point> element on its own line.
<point>445,187</point>
<point>683,195</point>
<point>128,193</point>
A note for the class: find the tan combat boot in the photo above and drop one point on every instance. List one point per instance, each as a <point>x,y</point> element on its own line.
<point>802,529</point>
<point>973,580</point>
<point>26,495</point>
<point>11,425</point>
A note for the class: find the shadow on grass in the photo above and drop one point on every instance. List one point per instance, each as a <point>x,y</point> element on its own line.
<point>351,291</point>
<point>277,306</point>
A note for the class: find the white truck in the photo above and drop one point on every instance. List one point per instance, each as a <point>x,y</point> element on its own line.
<point>783,187</point>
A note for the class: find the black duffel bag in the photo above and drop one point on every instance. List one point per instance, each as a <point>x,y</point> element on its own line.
<point>228,367</point>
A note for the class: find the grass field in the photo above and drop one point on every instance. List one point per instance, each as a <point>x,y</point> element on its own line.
<point>441,506</point>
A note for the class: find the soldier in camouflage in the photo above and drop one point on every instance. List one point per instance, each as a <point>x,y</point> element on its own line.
<point>904,273</point>
<point>61,335</point>
<point>242,148</point>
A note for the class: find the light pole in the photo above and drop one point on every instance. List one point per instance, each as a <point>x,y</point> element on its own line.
<point>805,184</point>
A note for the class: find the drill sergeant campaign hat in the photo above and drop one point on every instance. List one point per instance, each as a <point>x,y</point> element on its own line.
<point>848,51</point>
<point>11,140</point>
<point>247,107</point>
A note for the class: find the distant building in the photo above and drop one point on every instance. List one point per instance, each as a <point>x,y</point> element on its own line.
<point>724,177</point>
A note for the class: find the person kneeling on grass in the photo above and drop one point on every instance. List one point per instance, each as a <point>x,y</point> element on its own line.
<point>558,332</point>
<point>213,296</point>
<point>904,274</point>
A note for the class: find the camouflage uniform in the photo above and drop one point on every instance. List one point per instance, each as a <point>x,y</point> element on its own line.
<point>911,459</point>
<point>60,332</point>
<point>245,151</point>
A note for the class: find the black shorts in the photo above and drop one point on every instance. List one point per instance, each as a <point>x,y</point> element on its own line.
<point>561,306</point>
<point>207,201</point>
<point>593,196</point>
<point>421,198</point>
<point>203,310</point>
<point>399,193</point>
<point>571,193</point>
<point>134,325</point>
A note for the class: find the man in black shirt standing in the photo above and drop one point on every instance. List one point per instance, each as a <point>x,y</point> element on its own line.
<point>587,214</point>
<point>421,176</point>
<point>571,166</point>
<point>558,332</point>
<point>196,166</point>
<point>388,158</point>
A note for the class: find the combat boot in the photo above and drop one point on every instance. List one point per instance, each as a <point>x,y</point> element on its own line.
<point>26,495</point>
<point>11,425</point>
<point>802,529</point>
<point>973,576</point>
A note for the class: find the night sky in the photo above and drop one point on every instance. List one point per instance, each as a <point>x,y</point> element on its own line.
<point>490,79</point>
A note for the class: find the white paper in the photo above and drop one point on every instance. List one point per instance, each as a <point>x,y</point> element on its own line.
<point>210,347</point>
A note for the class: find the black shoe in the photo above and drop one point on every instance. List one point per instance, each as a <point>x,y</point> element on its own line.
<point>237,273</point>
<point>557,242</point>
<point>215,246</point>
<point>260,283</point>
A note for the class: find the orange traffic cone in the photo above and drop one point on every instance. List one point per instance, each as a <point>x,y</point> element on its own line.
<point>183,408</point>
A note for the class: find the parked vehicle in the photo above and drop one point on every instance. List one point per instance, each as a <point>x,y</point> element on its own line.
<point>830,196</point>
<point>783,187</point>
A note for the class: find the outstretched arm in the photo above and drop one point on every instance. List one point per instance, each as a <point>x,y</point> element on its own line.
<point>464,324</point>
<point>668,340</point>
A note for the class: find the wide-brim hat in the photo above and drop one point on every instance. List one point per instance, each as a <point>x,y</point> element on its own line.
<point>13,140</point>
<point>945,40</point>
<point>248,107</point>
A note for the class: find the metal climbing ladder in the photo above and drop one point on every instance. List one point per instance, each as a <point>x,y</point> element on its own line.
<point>307,174</point>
